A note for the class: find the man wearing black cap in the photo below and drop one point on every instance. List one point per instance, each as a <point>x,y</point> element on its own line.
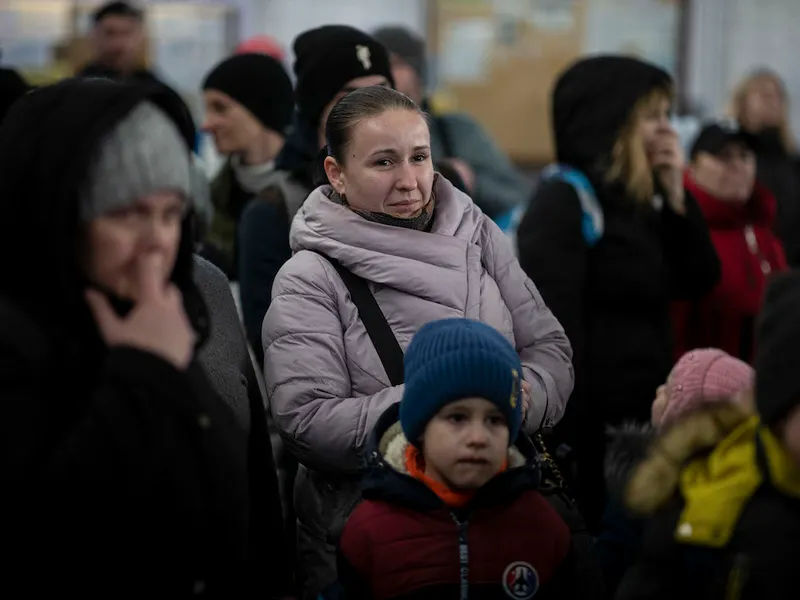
<point>458,142</point>
<point>248,107</point>
<point>718,135</point>
<point>330,61</point>
<point>740,215</point>
<point>118,43</point>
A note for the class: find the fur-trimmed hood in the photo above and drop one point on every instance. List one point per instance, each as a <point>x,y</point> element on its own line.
<point>388,478</point>
<point>655,480</point>
<point>627,447</point>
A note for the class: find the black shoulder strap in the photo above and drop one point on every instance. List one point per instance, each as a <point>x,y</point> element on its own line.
<point>382,336</point>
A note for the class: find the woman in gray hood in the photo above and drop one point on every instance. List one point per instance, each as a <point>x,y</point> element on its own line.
<point>426,252</point>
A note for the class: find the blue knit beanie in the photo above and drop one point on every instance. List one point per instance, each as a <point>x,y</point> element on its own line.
<point>453,359</point>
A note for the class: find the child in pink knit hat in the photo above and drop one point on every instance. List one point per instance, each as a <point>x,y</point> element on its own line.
<point>700,377</point>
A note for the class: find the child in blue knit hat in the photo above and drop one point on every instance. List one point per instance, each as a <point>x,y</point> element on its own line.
<point>450,501</point>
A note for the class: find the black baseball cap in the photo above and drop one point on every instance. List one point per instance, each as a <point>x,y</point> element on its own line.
<point>117,9</point>
<point>714,136</point>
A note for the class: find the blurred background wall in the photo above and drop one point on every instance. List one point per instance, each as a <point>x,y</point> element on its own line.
<point>493,58</point>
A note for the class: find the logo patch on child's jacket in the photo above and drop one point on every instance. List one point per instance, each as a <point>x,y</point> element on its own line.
<point>514,389</point>
<point>520,581</point>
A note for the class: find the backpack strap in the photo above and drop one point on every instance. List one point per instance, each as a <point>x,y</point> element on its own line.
<point>292,192</point>
<point>592,222</point>
<point>378,329</point>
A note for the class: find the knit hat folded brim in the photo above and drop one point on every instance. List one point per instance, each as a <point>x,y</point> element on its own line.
<point>454,359</point>
<point>143,154</point>
<point>260,84</point>
<point>702,377</point>
<point>327,58</point>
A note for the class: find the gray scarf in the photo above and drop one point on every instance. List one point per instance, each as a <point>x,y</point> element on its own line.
<point>252,178</point>
<point>422,222</point>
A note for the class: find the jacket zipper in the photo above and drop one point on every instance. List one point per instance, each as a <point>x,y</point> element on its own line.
<point>737,577</point>
<point>463,556</point>
<point>752,245</point>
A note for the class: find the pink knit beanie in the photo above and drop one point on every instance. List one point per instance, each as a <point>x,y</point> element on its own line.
<point>701,377</point>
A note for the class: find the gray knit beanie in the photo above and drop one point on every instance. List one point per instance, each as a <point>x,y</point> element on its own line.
<point>142,155</point>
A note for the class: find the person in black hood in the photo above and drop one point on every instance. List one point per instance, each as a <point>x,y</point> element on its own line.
<point>612,294</point>
<point>330,61</point>
<point>761,105</point>
<point>12,87</point>
<point>124,472</point>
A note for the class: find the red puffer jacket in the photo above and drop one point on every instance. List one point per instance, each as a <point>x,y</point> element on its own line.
<point>749,253</point>
<point>509,541</point>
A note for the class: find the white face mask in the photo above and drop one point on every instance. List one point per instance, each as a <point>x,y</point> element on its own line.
<point>252,178</point>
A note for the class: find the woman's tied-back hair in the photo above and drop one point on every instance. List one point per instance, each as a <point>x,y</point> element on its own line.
<point>736,107</point>
<point>360,104</point>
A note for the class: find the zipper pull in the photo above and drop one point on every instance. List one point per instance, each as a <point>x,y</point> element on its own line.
<point>750,238</point>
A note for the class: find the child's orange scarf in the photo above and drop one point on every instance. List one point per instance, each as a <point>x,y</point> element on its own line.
<point>415,465</point>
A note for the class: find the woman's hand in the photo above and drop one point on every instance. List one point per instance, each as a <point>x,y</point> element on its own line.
<point>157,324</point>
<point>526,399</point>
<point>667,160</point>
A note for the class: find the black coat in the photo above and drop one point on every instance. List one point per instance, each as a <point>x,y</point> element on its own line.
<point>762,555</point>
<point>612,299</point>
<point>779,171</point>
<point>122,475</point>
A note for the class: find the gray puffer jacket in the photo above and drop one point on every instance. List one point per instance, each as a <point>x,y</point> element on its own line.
<point>326,384</point>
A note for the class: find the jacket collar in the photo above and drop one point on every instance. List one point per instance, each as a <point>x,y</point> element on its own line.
<point>627,447</point>
<point>758,210</point>
<point>385,255</point>
<point>388,480</point>
<point>717,487</point>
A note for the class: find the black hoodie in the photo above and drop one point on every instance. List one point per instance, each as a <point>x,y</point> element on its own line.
<point>592,101</point>
<point>122,474</point>
<point>612,299</point>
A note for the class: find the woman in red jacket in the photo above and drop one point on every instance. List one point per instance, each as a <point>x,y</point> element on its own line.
<point>740,214</point>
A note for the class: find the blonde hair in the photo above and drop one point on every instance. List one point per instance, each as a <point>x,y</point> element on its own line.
<point>736,106</point>
<point>629,163</point>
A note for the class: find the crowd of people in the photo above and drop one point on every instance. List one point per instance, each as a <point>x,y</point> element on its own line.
<point>407,402</point>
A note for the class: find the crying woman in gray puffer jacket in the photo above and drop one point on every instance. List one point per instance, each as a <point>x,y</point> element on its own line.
<point>425,252</point>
